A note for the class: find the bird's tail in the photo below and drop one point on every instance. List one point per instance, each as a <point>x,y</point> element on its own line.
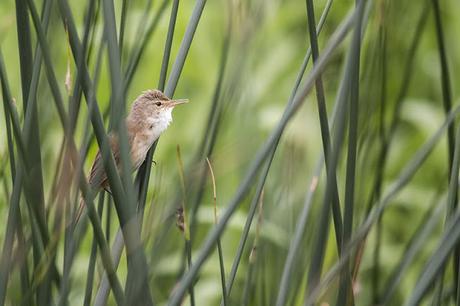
<point>80,209</point>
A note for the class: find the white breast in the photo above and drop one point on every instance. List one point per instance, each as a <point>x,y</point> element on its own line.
<point>143,143</point>
<point>162,122</point>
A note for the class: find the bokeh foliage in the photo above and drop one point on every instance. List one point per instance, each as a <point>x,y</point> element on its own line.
<point>379,221</point>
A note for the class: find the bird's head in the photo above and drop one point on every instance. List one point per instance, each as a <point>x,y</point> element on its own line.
<point>152,111</point>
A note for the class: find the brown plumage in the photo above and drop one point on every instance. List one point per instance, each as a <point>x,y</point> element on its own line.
<point>150,115</point>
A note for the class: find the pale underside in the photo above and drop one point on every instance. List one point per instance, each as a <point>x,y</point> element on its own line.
<point>140,139</point>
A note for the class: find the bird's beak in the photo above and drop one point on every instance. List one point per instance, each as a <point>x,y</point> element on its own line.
<point>173,103</point>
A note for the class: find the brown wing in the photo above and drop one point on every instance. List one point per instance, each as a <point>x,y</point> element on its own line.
<point>98,177</point>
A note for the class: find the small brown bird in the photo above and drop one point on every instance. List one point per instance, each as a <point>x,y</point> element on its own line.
<point>151,114</point>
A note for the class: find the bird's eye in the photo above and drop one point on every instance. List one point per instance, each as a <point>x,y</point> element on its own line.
<point>158,104</point>
<point>151,126</point>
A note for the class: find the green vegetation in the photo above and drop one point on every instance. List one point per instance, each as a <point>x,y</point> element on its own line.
<point>317,162</point>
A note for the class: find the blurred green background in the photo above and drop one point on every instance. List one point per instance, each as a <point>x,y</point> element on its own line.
<point>267,44</point>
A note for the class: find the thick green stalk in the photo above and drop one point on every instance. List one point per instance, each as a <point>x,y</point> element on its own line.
<point>137,287</point>
<point>345,296</point>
